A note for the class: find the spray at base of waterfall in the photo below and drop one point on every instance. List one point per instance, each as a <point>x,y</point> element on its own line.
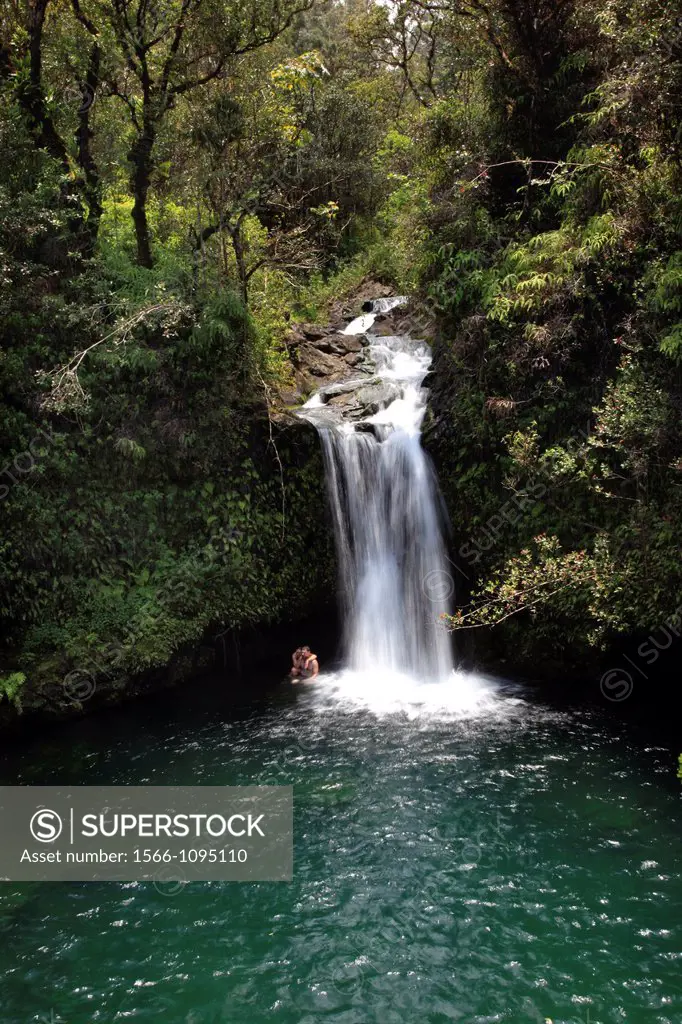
<point>459,696</point>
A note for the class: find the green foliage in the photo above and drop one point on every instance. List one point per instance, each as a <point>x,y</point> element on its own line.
<point>142,501</point>
<point>664,283</point>
<point>10,687</point>
<point>172,272</point>
<point>377,260</point>
<point>519,170</point>
<point>552,259</point>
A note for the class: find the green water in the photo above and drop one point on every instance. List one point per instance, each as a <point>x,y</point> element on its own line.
<point>502,862</point>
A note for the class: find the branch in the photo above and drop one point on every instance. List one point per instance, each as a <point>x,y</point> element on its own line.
<point>115,91</point>
<point>65,378</point>
<point>271,441</point>
<point>515,611</point>
<point>83,18</point>
<point>548,163</point>
<point>183,87</point>
<point>275,31</point>
<point>174,47</point>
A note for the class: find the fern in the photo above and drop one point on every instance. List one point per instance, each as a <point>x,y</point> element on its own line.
<point>667,296</point>
<point>671,344</point>
<point>131,449</point>
<point>10,687</point>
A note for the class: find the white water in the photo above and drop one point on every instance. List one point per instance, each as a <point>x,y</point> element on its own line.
<point>362,324</point>
<point>458,696</point>
<point>396,583</point>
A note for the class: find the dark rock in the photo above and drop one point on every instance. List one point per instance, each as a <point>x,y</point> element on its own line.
<point>340,344</point>
<point>291,396</point>
<point>386,330</point>
<point>313,332</point>
<point>369,290</point>
<point>293,340</point>
<point>324,345</point>
<point>344,343</point>
<point>366,428</point>
<point>323,356</point>
<point>320,364</point>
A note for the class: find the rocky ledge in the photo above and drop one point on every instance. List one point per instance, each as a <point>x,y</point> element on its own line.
<point>323,356</point>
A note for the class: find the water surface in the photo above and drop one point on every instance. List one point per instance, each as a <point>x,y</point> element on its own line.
<point>462,853</point>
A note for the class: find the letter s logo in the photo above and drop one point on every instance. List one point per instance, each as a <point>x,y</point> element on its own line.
<point>46,826</point>
<point>471,554</point>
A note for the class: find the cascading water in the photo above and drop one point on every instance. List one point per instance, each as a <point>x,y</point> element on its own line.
<point>385,506</point>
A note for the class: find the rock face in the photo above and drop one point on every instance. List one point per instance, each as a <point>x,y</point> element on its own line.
<point>341,344</point>
<point>323,356</point>
<point>331,357</point>
<point>319,363</point>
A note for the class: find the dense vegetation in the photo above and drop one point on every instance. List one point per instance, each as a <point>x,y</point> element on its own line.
<point>554,215</point>
<point>184,178</point>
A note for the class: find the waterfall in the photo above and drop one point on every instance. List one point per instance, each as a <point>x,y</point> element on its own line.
<point>395,580</point>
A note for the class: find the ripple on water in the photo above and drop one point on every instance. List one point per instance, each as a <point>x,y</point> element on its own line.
<point>461,854</point>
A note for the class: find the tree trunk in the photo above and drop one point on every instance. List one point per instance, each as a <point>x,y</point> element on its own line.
<point>140,157</point>
<point>30,90</point>
<point>84,135</point>
<point>238,246</point>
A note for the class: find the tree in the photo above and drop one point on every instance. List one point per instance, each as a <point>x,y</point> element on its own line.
<point>295,153</point>
<point>22,62</point>
<point>166,50</point>
<point>405,38</point>
<point>536,67</point>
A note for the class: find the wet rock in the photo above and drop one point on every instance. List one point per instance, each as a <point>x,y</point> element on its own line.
<point>373,397</point>
<point>350,342</point>
<point>323,356</point>
<point>354,358</point>
<point>343,399</point>
<point>344,387</point>
<point>385,330</point>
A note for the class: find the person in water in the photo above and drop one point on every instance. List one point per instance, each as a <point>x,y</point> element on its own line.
<point>295,662</point>
<point>304,663</point>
